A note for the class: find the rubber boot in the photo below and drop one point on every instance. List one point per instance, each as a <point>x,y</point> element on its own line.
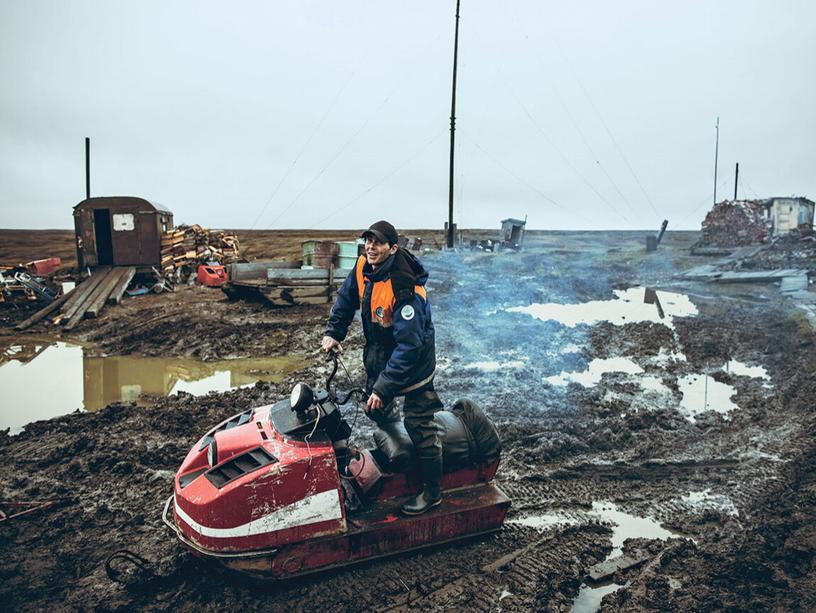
<point>431,495</point>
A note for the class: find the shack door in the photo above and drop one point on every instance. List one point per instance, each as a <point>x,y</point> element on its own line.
<point>102,234</point>
<point>126,250</point>
<point>86,244</point>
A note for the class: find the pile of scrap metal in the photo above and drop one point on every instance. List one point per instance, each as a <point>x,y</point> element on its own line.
<point>30,282</point>
<point>185,248</point>
<point>106,285</point>
<point>734,223</point>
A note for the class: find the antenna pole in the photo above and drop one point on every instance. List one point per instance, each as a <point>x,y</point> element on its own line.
<point>452,130</point>
<point>87,168</point>
<point>736,178</point>
<point>716,156</point>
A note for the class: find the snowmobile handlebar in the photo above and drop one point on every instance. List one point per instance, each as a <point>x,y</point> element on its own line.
<point>334,357</point>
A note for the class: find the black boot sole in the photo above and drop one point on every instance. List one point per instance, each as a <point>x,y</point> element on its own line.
<point>425,510</point>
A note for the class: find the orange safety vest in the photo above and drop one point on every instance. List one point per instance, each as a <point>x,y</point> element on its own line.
<point>382,296</point>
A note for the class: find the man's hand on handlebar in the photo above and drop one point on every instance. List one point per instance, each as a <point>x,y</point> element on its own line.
<point>374,403</point>
<point>330,343</point>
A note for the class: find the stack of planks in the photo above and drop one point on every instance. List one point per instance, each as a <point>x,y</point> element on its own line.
<point>106,285</point>
<point>287,287</point>
<point>193,245</point>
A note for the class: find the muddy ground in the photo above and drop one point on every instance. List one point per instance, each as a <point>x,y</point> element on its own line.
<point>736,489</point>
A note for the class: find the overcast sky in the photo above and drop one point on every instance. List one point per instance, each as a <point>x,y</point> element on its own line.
<point>591,115</point>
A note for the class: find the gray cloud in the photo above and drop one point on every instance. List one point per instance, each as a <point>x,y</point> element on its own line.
<point>211,108</point>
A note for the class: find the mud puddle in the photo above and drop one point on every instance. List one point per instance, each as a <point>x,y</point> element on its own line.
<point>624,526</point>
<point>44,378</point>
<point>636,304</point>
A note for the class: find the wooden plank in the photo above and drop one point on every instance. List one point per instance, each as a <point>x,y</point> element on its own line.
<point>79,290</point>
<point>119,289</point>
<point>104,291</point>
<point>87,289</point>
<point>83,305</point>
<point>315,274</point>
<point>55,304</point>
<point>294,293</point>
<point>299,301</point>
<point>607,568</point>
<point>793,284</point>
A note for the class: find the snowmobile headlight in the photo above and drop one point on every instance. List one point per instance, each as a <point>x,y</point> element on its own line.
<point>212,454</point>
<point>301,397</point>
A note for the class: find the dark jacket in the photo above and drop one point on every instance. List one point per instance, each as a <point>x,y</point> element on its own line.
<point>399,354</point>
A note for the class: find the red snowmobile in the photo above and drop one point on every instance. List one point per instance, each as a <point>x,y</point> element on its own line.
<point>276,491</point>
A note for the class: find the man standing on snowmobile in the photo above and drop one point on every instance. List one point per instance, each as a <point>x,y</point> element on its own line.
<point>388,286</point>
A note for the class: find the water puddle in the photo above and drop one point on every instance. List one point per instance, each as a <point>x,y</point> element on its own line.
<point>635,304</point>
<point>544,521</point>
<point>740,369</point>
<point>706,500</point>
<point>595,370</point>
<point>43,378</point>
<point>493,366</point>
<point>701,393</point>
<point>624,526</point>
<point>589,598</point>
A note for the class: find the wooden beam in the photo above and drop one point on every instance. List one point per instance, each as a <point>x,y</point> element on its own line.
<point>55,304</point>
<point>119,289</point>
<point>83,305</point>
<point>86,289</point>
<point>105,288</point>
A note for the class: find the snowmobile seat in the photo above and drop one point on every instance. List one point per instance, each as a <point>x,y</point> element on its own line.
<point>395,444</point>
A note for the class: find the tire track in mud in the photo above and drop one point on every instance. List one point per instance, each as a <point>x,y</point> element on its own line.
<point>546,571</point>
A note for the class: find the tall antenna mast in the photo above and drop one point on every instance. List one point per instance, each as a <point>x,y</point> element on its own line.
<point>716,155</point>
<point>452,130</point>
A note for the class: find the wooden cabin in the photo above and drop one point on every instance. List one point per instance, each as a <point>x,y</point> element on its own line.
<point>120,231</point>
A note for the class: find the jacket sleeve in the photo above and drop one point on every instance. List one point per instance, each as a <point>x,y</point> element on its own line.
<point>348,301</point>
<point>408,327</point>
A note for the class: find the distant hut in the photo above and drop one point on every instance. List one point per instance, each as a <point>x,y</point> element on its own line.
<point>120,231</point>
<point>788,214</point>
<point>512,232</point>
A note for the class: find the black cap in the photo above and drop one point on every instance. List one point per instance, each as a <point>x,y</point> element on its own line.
<point>383,232</point>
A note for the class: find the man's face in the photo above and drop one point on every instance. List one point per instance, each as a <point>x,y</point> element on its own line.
<point>377,252</point>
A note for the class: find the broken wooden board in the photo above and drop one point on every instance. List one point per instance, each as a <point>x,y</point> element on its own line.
<point>315,276</point>
<point>42,313</point>
<point>118,291</point>
<point>794,283</point>
<point>84,291</point>
<point>83,305</point>
<point>758,276</point>
<point>111,281</point>
<point>604,570</point>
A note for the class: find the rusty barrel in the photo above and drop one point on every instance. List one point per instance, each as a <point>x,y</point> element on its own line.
<point>325,254</point>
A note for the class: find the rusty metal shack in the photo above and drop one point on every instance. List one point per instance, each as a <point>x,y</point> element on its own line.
<point>120,231</point>
<point>512,232</point>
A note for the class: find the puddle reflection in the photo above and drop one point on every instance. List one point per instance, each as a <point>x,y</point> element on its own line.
<point>43,378</point>
<point>635,304</point>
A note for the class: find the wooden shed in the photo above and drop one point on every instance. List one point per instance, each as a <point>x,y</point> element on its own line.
<point>120,231</point>
<point>512,232</point>
<point>787,214</point>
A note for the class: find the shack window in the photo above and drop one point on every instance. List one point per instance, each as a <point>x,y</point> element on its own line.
<point>123,222</point>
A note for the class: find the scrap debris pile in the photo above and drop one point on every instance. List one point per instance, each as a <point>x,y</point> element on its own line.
<point>189,246</point>
<point>734,223</point>
<point>797,249</point>
<point>34,281</point>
